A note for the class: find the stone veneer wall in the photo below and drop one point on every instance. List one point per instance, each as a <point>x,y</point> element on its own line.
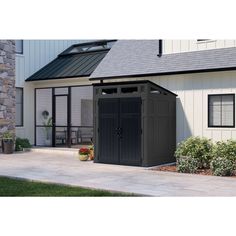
<point>7,86</point>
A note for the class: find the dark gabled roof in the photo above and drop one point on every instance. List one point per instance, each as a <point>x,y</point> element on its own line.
<point>137,58</point>
<point>70,64</point>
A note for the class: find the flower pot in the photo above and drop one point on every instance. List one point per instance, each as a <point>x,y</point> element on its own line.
<point>83,157</point>
<point>91,155</point>
<point>7,146</point>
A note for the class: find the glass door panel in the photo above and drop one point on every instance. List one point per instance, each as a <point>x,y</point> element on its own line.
<point>61,120</point>
<point>61,111</point>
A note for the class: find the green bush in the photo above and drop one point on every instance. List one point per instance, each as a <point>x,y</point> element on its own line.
<point>187,164</point>
<point>22,143</point>
<point>198,148</point>
<point>226,149</point>
<point>222,166</point>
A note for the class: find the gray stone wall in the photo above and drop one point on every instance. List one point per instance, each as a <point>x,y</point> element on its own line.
<point>7,86</point>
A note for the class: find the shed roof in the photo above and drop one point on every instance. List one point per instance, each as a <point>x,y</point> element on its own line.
<point>133,83</point>
<point>79,60</point>
<point>131,58</point>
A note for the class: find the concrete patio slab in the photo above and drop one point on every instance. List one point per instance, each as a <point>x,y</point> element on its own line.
<point>65,168</point>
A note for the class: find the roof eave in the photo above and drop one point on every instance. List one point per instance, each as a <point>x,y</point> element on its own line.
<point>162,73</point>
<point>57,78</point>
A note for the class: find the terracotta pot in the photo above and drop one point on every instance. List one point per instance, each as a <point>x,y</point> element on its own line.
<point>83,157</point>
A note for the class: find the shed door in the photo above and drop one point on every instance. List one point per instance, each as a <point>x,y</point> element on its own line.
<point>120,131</point>
<point>108,123</point>
<point>130,135</point>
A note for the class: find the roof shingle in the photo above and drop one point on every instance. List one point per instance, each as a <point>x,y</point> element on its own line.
<point>139,57</point>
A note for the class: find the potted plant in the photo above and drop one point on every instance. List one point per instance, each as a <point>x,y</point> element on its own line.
<point>7,143</point>
<point>22,144</point>
<point>47,128</point>
<point>91,154</point>
<point>84,154</point>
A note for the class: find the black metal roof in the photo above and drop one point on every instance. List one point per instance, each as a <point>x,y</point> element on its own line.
<point>72,64</point>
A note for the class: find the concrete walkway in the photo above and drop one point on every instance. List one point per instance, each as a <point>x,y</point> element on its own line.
<point>65,168</point>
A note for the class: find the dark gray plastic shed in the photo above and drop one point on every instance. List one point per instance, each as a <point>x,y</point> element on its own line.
<point>134,123</point>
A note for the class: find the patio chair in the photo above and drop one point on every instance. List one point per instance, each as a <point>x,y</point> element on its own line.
<point>61,135</point>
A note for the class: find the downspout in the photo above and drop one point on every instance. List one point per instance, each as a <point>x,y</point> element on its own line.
<point>160,48</point>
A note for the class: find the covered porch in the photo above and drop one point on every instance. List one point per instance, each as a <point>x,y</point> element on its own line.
<point>62,97</point>
<point>64,116</point>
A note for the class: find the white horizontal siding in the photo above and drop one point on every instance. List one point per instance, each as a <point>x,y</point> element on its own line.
<point>177,46</point>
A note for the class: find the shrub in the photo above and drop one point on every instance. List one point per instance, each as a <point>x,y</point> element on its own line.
<point>222,166</point>
<point>226,149</point>
<point>187,164</point>
<point>197,148</point>
<point>22,143</point>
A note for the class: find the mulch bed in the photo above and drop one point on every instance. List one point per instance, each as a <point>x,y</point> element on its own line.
<point>172,168</point>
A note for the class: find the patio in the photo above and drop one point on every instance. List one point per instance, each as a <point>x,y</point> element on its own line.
<point>62,166</point>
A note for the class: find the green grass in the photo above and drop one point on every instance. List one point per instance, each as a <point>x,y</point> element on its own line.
<point>23,188</point>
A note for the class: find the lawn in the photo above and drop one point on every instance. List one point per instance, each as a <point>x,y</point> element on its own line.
<point>20,188</point>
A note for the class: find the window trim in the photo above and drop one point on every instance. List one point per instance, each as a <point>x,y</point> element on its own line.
<point>22,44</point>
<point>22,108</point>
<point>208,111</point>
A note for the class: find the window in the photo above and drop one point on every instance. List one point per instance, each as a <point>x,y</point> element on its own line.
<point>109,91</point>
<point>221,110</point>
<point>154,90</point>
<point>129,90</point>
<point>19,106</point>
<point>92,46</point>
<point>19,46</point>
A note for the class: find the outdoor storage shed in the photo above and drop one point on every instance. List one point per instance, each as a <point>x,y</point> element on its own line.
<point>134,123</point>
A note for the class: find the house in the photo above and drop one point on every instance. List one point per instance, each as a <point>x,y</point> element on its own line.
<point>57,83</point>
